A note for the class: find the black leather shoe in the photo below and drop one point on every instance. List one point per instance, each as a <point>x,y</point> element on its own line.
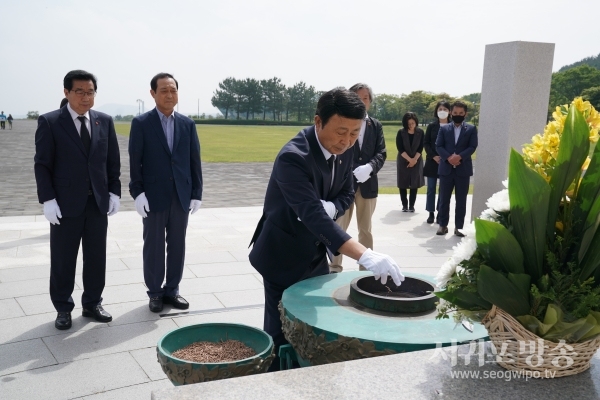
<point>176,301</point>
<point>430,219</point>
<point>404,209</point>
<point>156,304</point>
<point>411,209</point>
<point>98,313</point>
<point>63,321</point>
<point>458,233</point>
<point>442,230</point>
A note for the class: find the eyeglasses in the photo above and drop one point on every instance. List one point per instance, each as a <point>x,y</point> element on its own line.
<point>81,93</point>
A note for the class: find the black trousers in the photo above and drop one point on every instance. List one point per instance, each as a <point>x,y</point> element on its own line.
<point>460,185</point>
<point>413,197</point>
<point>89,229</point>
<point>273,293</point>
<point>172,222</point>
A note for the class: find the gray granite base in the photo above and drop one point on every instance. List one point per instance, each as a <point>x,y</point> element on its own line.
<point>418,375</point>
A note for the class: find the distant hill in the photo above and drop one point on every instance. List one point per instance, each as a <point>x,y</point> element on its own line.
<point>593,61</point>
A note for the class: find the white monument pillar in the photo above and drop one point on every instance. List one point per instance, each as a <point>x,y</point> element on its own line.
<point>514,107</point>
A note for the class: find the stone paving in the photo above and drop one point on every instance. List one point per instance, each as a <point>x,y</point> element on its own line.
<point>225,184</point>
<point>118,360</point>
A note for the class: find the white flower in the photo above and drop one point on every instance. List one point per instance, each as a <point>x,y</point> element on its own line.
<point>499,201</point>
<point>505,183</point>
<point>465,249</point>
<point>489,215</point>
<point>446,271</point>
<point>469,230</point>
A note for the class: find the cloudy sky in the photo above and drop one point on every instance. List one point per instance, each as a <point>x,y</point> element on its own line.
<point>396,46</point>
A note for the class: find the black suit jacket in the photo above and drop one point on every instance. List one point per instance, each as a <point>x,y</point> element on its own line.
<point>156,170</point>
<point>294,222</point>
<point>431,166</point>
<point>65,171</point>
<point>465,147</point>
<point>373,152</point>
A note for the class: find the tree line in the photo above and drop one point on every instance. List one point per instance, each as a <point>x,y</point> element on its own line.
<point>265,99</point>
<point>583,80</point>
<point>269,99</point>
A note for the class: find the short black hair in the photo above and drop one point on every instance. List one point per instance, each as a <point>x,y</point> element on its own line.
<point>63,102</point>
<point>441,103</point>
<point>78,75</point>
<point>407,117</point>
<point>161,75</point>
<point>459,104</point>
<point>342,102</point>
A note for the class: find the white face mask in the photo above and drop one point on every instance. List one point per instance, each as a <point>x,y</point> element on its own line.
<point>442,114</point>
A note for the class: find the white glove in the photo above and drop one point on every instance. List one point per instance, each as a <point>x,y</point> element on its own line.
<point>329,208</point>
<point>381,265</point>
<point>113,204</point>
<point>52,211</point>
<point>195,205</point>
<point>363,173</point>
<point>141,205</point>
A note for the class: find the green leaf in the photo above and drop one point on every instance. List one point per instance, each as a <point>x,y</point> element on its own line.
<point>591,260</point>
<point>522,282</point>
<point>498,290</point>
<point>463,299</point>
<point>587,210</point>
<point>529,195</point>
<point>572,152</point>
<point>499,247</point>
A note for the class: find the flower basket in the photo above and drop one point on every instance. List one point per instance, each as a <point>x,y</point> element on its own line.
<point>518,349</point>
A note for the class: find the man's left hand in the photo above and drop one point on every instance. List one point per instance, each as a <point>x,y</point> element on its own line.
<point>113,204</point>
<point>195,205</point>
<point>329,208</point>
<point>363,173</point>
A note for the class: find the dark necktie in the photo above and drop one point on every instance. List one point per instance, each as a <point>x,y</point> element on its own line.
<point>85,135</point>
<point>330,162</point>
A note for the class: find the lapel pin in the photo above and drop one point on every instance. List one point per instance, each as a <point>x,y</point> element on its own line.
<point>340,162</point>
<point>97,123</point>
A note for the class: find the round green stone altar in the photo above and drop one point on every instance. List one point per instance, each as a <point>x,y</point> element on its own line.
<point>324,325</point>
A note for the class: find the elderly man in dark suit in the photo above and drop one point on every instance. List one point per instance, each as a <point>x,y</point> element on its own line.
<point>166,183</point>
<point>455,144</point>
<point>311,185</point>
<point>369,154</point>
<point>77,168</point>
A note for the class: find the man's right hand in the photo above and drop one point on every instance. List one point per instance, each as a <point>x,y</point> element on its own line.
<point>141,205</point>
<point>381,265</point>
<point>52,211</point>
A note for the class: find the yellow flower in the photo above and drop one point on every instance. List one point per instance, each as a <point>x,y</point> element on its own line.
<point>559,225</point>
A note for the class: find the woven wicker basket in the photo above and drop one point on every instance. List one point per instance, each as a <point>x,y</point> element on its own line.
<point>517,349</point>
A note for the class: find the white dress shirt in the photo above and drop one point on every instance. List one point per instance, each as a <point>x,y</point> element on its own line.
<point>363,128</point>
<point>457,132</point>
<point>326,154</point>
<point>77,122</point>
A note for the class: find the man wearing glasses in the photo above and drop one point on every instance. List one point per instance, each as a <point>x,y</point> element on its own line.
<point>77,168</point>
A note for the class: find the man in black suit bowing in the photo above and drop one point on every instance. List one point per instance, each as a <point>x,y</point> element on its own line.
<point>166,183</point>
<point>77,168</point>
<point>456,143</point>
<point>311,185</point>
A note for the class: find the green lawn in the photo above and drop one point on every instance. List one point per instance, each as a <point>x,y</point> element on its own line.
<point>253,143</point>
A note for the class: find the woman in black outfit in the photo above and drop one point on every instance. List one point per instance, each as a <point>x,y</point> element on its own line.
<point>409,163</point>
<point>441,114</point>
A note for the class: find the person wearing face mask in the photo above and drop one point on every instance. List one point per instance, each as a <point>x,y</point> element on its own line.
<point>409,163</point>
<point>441,115</point>
<point>456,143</point>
